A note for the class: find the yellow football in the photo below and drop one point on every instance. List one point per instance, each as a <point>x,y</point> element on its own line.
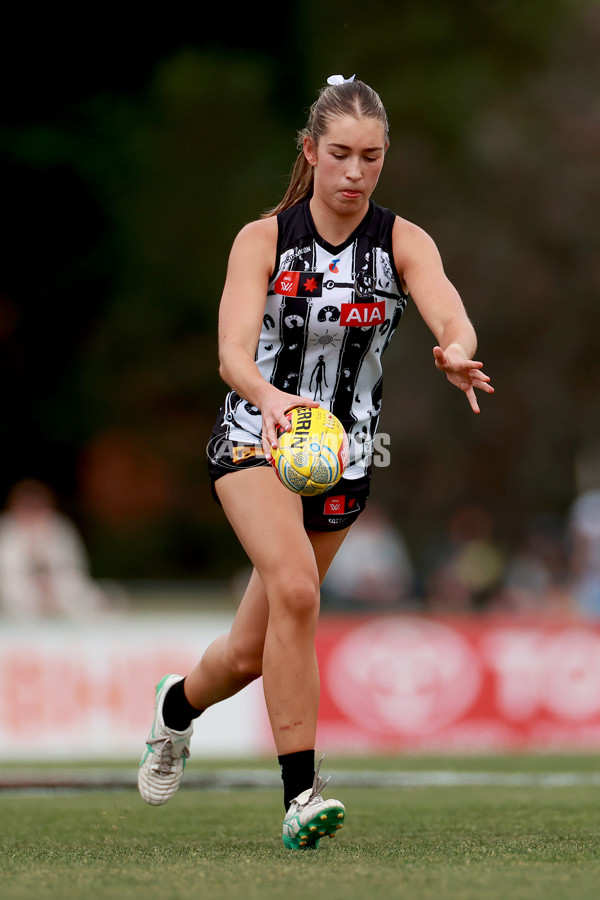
<point>311,457</point>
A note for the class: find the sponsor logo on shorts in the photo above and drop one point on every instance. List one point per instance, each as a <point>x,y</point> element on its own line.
<point>340,505</point>
<point>230,454</point>
<point>335,505</point>
<point>243,451</point>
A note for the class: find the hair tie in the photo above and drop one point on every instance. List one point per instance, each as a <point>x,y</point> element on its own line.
<point>339,79</point>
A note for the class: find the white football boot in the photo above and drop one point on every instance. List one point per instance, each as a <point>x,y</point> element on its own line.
<point>161,767</point>
<point>310,818</point>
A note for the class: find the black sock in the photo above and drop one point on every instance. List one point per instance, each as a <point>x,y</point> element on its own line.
<point>178,712</point>
<point>297,772</point>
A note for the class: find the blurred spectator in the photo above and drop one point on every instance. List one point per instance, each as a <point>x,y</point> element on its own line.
<point>536,577</point>
<point>584,545</point>
<point>466,567</point>
<point>372,569</point>
<point>43,562</point>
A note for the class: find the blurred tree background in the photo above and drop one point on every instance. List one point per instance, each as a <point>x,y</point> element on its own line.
<point>132,154</point>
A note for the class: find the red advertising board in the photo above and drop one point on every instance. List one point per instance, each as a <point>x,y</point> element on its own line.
<point>402,683</point>
<point>389,684</point>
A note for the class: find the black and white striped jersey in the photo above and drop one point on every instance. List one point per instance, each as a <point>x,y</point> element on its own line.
<point>329,316</point>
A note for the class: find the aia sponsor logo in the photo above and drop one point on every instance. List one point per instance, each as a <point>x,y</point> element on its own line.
<point>299,284</point>
<point>363,315</point>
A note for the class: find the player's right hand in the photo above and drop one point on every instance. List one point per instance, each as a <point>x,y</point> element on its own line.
<point>275,405</point>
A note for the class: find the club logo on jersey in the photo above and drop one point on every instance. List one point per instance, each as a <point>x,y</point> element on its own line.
<point>364,285</point>
<point>333,266</point>
<point>299,284</point>
<point>363,314</point>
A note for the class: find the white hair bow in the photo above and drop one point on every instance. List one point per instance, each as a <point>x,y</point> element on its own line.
<point>339,79</point>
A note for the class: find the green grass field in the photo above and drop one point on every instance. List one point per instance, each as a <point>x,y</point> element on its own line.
<point>518,838</point>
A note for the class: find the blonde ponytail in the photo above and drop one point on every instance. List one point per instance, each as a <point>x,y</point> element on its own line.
<point>299,188</point>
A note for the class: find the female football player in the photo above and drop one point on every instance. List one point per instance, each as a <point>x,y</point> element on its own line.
<point>314,291</point>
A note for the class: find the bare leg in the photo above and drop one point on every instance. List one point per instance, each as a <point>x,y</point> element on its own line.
<point>274,629</point>
<point>232,660</point>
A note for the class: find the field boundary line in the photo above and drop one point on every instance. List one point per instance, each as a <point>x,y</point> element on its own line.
<point>235,779</point>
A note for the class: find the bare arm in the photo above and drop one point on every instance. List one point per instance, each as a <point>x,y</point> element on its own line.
<point>419,263</point>
<point>240,320</point>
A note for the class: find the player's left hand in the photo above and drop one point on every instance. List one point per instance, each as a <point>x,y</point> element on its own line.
<point>464,373</point>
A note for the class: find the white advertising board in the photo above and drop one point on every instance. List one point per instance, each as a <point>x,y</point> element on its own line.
<point>86,690</point>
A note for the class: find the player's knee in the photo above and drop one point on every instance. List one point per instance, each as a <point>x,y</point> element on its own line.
<point>245,662</point>
<point>297,595</point>
<point>248,666</point>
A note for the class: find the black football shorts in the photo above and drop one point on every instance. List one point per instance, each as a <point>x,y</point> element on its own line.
<point>334,510</point>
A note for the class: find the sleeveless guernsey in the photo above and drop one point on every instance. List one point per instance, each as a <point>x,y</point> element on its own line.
<point>329,316</point>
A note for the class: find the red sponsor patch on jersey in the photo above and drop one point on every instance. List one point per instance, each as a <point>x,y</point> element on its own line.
<point>299,284</point>
<point>363,314</point>
<point>287,284</point>
<point>335,505</point>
